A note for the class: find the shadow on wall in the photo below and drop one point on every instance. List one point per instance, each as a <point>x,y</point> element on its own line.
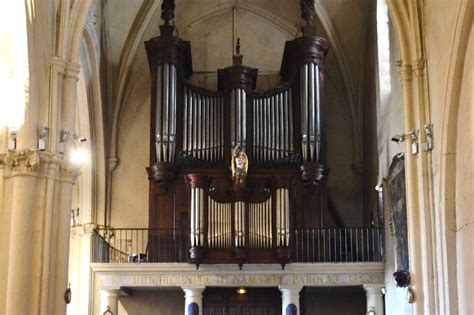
<point>141,302</point>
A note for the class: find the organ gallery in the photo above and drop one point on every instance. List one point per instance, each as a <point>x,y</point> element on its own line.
<point>237,168</point>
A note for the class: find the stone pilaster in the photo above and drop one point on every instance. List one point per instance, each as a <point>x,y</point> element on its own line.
<point>290,304</point>
<point>108,301</point>
<point>374,299</point>
<point>38,214</point>
<point>193,300</point>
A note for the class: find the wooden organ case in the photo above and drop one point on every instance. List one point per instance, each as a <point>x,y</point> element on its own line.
<point>236,169</point>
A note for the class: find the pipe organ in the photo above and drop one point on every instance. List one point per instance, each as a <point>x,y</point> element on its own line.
<point>273,142</point>
<point>203,125</point>
<point>273,125</point>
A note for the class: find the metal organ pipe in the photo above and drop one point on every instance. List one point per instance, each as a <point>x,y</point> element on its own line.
<point>239,224</point>
<point>238,119</point>
<point>311,112</point>
<point>219,224</point>
<point>290,119</point>
<point>318,114</point>
<point>304,110</point>
<point>283,216</point>
<point>159,105</point>
<point>193,223</point>
<point>165,118</point>
<point>260,224</point>
<point>166,84</point>
<point>273,126</point>
<point>172,135</point>
<point>203,132</point>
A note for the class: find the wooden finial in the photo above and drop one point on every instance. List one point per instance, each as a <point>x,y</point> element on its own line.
<point>167,15</point>
<point>309,15</point>
<point>237,47</point>
<point>167,11</point>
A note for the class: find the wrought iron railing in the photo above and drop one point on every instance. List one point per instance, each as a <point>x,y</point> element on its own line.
<point>340,245</point>
<point>141,245</point>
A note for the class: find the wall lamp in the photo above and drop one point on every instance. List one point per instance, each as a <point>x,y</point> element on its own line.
<point>12,139</point>
<point>43,138</point>
<point>412,135</point>
<point>77,155</point>
<point>62,141</point>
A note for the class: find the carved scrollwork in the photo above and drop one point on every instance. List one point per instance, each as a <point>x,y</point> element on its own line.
<point>163,175</point>
<point>313,174</point>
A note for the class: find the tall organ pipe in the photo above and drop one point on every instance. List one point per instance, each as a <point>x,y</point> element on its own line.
<point>159,104</point>
<point>318,115</point>
<point>304,111</point>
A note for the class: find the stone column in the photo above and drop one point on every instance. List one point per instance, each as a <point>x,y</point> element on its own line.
<point>374,298</point>
<point>193,300</point>
<point>108,301</point>
<point>290,304</point>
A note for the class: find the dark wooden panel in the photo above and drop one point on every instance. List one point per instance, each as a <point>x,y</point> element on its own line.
<point>257,301</point>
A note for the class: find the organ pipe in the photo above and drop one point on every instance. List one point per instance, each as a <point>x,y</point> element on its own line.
<point>310,112</point>
<point>273,126</point>
<point>283,216</point>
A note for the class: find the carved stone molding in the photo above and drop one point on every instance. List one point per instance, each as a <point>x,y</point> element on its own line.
<point>21,161</point>
<point>406,72</point>
<point>419,67</point>
<point>86,229</point>
<point>34,161</point>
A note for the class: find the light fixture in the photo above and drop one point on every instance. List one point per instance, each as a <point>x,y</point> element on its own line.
<point>241,290</point>
<point>412,133</point>
<point>428,145</point>
<point>42,138</point>
<point>62,141</point>
<point>78,156</point>
<point>398,138</point>
<point>75,217</point>
<point>12,139</point>
<point>414,141</point>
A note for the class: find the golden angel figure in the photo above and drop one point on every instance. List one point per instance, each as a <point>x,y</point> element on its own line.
<point>240,165</point>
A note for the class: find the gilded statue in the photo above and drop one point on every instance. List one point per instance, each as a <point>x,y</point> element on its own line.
<point>240,165</point>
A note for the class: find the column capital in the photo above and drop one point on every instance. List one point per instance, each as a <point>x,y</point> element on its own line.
<point>373,288</point>
<point>290,295</point>
<point>193,291</point>
<point>374,298</point>
<point>193,300</point>
<point>109,301</point>
<point>112,292</point>
<point>294,289</point>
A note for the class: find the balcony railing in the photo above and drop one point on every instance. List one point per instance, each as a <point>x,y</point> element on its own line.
<point>343,245</point>
<point>338,245</point>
